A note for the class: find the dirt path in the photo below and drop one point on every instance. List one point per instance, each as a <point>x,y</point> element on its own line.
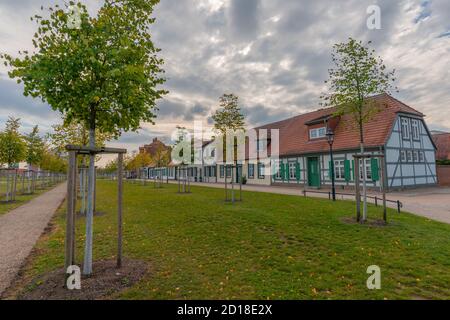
<point>21,228</point>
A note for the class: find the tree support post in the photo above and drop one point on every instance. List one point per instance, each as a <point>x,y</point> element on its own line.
<point>357,190</point>
<point>119,210</point>
<point>70,211</point>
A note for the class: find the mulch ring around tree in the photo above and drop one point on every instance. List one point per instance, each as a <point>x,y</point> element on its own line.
<point>105,281</point>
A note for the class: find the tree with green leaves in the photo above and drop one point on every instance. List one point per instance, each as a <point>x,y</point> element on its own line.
<point>35,147</point>
<point>76,134</point>
<point>357,75</point>
<point>229,115</point>
<point>12,144</point>
<point>103,71</point>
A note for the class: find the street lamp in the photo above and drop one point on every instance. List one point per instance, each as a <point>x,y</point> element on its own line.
<point>330,138</point>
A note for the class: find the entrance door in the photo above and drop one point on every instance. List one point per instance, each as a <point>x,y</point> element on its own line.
<point>313,172</point>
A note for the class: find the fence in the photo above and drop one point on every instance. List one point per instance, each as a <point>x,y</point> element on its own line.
<point>443,174</point>
<point>398,204</point>
<point>14,182</point>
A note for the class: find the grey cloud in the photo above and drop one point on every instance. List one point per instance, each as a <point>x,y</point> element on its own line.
<point>244,19</point>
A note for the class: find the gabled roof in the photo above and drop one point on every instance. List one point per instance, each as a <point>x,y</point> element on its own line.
<point>294,132</point>
<point>442,142</point>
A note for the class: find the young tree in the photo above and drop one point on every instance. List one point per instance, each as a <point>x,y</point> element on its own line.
<point>161,157</point>
<point>103,71</point>
<point>228,118</point>
<point>357,75</point>
<point>35,147</point>
<point>12,144</point>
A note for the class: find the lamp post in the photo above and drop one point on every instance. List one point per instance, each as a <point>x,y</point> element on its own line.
<point>330,138</point>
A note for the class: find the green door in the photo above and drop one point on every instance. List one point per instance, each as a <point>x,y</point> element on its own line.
<point>313,172</point>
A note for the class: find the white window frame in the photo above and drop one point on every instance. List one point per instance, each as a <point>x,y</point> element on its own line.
<point>292,171</point>
<point>405,128</point>
<point>409,156</point>
<point>277,169</point>
<point>339,169</point>
<point>403,156</point>
<point>368,169</point>
<point>317,133</point>
<point>415,126</point>
<point>421,156</point>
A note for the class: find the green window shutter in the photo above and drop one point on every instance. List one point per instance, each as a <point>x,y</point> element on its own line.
<point>353,170</point>
<point>286,172</point>
<point>374,167</point>
<point>282,171</point>
<point>330,169</point>
<point>347,170</point>
<point>297,171</point>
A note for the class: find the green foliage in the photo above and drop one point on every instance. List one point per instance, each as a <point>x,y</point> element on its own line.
<point>104,74</point>
<point>443,162</point>
<point>229,116</point>
<point>35,147</point>
<point>75,134</point>
<point>138,161</point>
<point>357,74</point>
<point>52,161</point>
<point>12,144</point>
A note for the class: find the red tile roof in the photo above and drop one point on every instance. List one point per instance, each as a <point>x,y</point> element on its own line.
<point>442,142</point>
<point>294,132</point>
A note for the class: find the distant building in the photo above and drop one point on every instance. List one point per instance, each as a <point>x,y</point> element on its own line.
<point>154,147</point>
<point>442,142</point>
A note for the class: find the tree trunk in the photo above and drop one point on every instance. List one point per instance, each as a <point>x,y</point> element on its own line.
<point>87,265</point>
<point>363,171</point>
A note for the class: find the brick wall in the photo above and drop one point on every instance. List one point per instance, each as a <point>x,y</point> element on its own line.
<point>443,173</point>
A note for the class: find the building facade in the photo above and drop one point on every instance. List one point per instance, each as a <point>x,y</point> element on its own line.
<point>396,131</point>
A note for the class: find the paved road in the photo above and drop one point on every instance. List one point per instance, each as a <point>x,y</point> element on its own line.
<point>21,228</point>
<point>432,203</point>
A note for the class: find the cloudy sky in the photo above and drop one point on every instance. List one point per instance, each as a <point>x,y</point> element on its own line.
<point>274,54</point>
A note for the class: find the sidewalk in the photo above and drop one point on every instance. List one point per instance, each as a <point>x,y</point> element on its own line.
<point>21,228</point>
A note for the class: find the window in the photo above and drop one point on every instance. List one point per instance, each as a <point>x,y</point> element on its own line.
<point>415,129</point>
<point>280,169</point>
<point>421,156</point>
<point>368,169</point>
<point>229,168</point>
<point>405,128</point>
<point>213,153</point>
<point>222,171</point>
<point>409,153</point>
<point>261,169</point>
<point>416,156</point>
<point>262,145</point>
<point>251,170</point>
<point>292,171</point>
<point>317,133</point>
<point>339,169</point>
<point>403,156</point>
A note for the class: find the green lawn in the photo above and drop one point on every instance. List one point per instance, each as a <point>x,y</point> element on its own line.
<point>5,207</point>
<point>268,247</point>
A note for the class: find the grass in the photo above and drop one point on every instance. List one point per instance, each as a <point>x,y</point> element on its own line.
<point>21,199</point>
<point>268,247</point>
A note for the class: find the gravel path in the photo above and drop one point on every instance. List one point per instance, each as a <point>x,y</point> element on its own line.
<point>21,228</point>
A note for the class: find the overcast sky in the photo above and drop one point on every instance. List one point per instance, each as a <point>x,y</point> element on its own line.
<point>274,54</point>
